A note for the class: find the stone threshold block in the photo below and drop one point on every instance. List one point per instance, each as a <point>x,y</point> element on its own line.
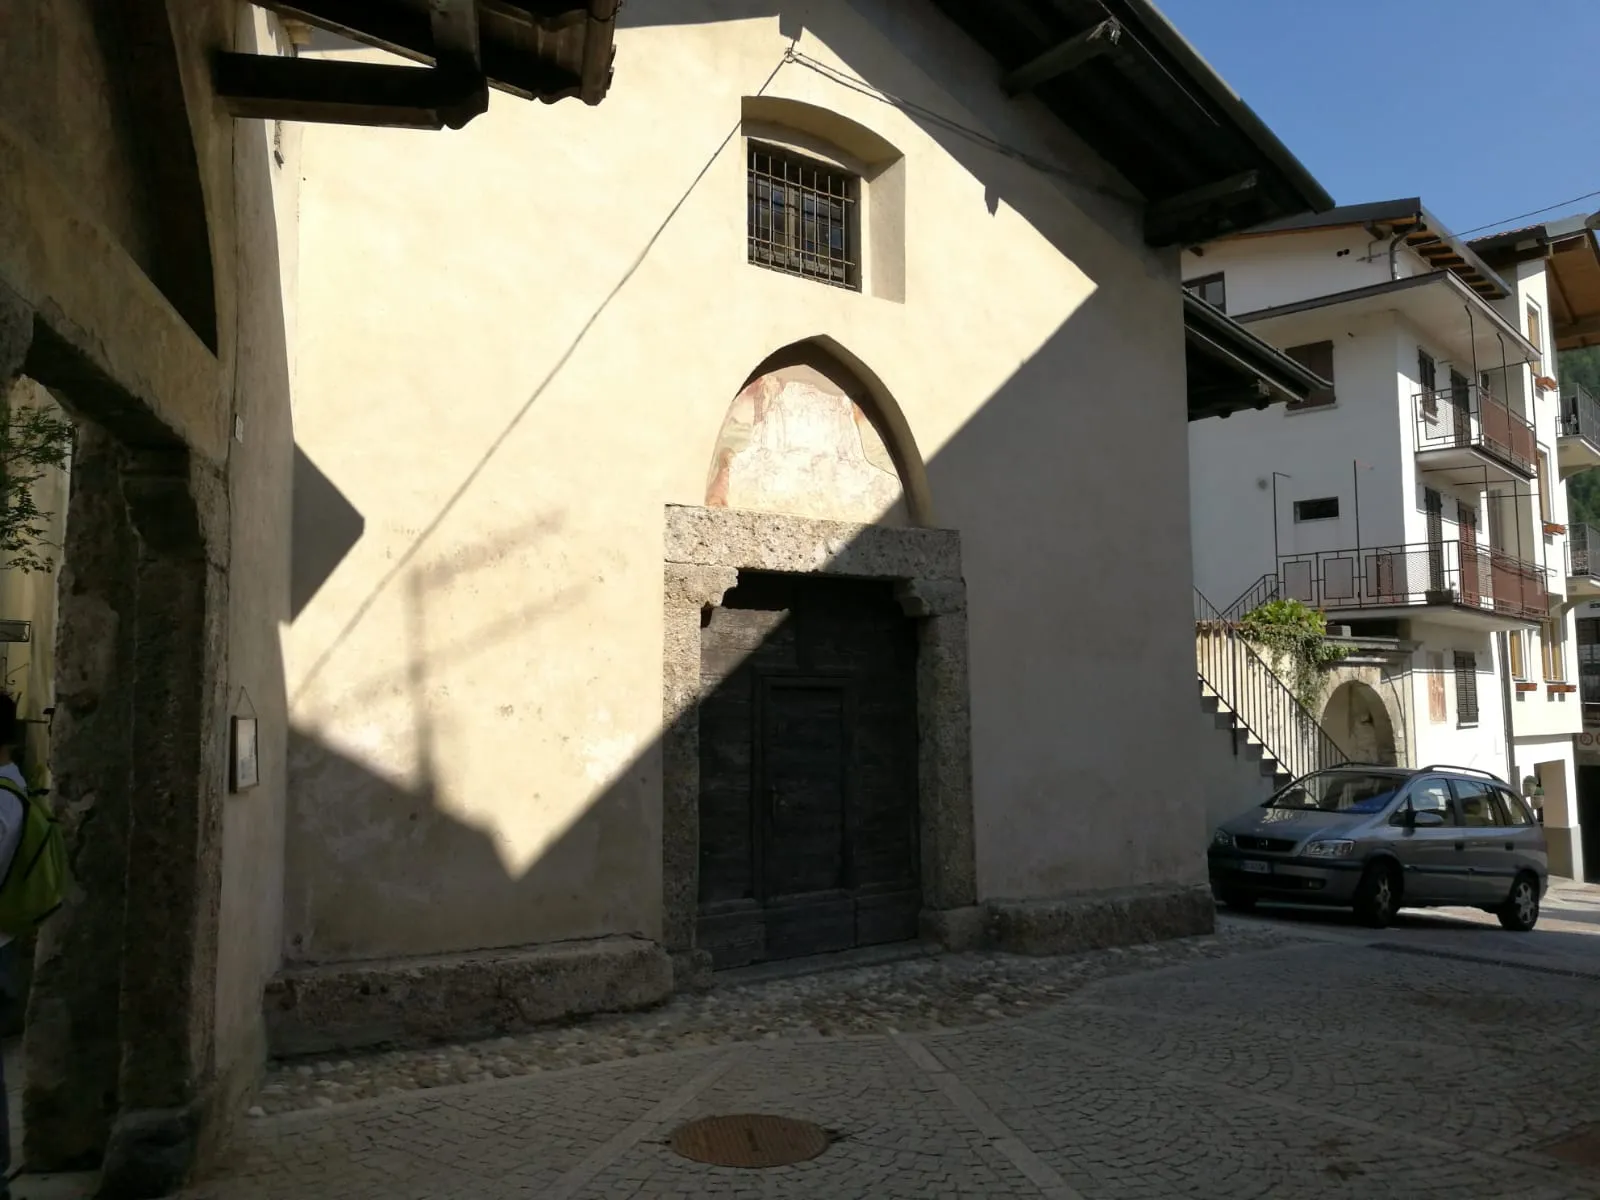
<point>460,997</point>
<point>1100,920</point>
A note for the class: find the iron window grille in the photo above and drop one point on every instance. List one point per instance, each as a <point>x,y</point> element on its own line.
<point>1466,687</point>
<point>803,217</point>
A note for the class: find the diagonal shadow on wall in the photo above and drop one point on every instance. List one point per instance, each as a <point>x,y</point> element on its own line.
<point>1051,452</point>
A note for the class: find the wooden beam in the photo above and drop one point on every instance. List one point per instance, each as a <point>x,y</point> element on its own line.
<point>1166,219</point>
<point>505,56</point>
<point>263,86</point>
<point>1068,56</point>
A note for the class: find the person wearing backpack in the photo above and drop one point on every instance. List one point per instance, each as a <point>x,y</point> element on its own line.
<point>13,814</point>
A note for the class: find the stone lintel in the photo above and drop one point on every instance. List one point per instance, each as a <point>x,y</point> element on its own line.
<point>458,997</point>
<point>763,541</point>
<point>1099,920</point>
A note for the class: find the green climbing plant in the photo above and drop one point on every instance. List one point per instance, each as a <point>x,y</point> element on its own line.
<point>33,442</point>
<point>1296,640</point>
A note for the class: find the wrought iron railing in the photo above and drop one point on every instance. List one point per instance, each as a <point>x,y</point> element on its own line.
<point>1422,573</point>
<point>1261,704</point>
<point>1268,587</point>
<point>1470,417</point>
<point>1580,414</point>
<point>1583,550</point>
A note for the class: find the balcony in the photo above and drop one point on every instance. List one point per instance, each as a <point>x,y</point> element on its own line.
<point>1583,562</point>
<point>1456,584</point>
<point>1578,447</point>
<point>1467,436</point>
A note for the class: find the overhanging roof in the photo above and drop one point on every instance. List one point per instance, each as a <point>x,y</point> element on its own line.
<point>1572,272</point>
<point>1230,369</point>
<point>1122,78</point>
<point>1437,299</point>
<point>545,50</point>
<point>1423,232</point>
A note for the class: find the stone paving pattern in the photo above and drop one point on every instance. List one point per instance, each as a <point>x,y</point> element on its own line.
<point>1253,1064</point>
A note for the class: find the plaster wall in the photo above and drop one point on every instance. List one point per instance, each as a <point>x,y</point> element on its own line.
<point>518,345</point>
<point>1268,271</point>
<point>260,470</point>
<point>1331,451</point>
<point>1482,745</point>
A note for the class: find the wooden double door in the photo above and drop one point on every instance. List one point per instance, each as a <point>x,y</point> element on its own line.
<point>808,770</point>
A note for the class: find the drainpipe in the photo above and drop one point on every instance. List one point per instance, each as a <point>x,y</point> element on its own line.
<point>1394,246</point>
<point>1506,706</point>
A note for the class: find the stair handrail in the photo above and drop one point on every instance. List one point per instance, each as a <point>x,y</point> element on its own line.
<point>1263,705</point>
<point>1268,587</point>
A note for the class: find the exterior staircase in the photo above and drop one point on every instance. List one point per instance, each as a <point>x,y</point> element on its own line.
<point>1271,738</point>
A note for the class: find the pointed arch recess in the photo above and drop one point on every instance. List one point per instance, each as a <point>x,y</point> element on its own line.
<point>826,367</point>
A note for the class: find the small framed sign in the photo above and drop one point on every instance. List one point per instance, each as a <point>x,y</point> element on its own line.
<point>244,767</point>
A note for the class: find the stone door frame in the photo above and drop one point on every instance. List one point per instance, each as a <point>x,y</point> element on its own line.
<point>706,548</point>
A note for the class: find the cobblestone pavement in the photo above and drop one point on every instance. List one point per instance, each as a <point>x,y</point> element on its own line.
<point>1253,1064</point>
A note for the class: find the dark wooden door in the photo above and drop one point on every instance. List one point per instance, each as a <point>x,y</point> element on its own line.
<point>807,770</point>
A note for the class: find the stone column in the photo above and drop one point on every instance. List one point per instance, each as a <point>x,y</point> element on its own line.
<point>168,986</point>
<point>71,1046</point>
<point>690,590</point>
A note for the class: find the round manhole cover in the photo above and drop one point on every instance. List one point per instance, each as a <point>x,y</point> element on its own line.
<point>749,1141</point>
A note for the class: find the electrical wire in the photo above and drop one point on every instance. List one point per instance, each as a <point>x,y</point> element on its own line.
<point>1037,162</point>
<point>1523,216</point>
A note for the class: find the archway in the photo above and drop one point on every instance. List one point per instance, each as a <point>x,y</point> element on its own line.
<point>811,434</point>
<point>1359,724</point>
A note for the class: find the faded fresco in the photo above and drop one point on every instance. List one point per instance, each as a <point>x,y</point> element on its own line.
<point>794,442</point>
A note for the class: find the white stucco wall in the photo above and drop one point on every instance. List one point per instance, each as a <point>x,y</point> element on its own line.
<point>518,344</point>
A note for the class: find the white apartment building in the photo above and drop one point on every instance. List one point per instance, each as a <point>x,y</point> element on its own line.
<point>1416,498</point>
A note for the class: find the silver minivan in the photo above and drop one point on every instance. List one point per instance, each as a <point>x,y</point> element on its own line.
<point>1377,838</point>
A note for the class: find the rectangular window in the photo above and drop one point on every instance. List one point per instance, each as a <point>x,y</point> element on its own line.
<point>1516,812</point>
<point>1545,513</point>
<point>802,217</point>
<point>1436,702</point>
<point>1519,658</point>
<point>1479,804</point>
<point>1213,289</point>
<point>1316,357</point>
<point>1536,336</point>
<point>1324,509</point>
<point>1555,652</point>
<point>1428,382</point>
<point>1466,687</point>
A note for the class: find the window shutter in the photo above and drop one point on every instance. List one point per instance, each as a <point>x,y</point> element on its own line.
<point>1466,688</point>
<point>1316,357</point>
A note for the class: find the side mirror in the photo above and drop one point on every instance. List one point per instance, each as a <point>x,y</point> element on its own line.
<point>1427,819</point>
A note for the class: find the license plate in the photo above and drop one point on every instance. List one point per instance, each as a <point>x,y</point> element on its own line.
<point>1257,868</point>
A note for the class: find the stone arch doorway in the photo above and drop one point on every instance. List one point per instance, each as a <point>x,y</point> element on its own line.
<point>1358,722</point>
<point>813,433</point>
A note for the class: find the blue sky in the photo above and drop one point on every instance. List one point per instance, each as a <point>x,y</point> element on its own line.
<point>1484,108</point>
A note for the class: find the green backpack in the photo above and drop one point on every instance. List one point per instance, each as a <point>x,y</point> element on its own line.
<point>36,882</point>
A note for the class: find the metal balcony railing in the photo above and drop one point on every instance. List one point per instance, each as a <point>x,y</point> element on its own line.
<point>1580,414</point>
<point>1420,574</point>
<point>1583,550</point>
<point>1469,417</point>
<point>1260,702</point>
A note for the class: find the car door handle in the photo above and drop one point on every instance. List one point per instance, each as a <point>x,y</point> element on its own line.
<point>1461,845</point>
<point>1510,846</point>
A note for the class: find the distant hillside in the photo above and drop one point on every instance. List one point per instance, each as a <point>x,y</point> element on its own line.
<point>1583,491</point>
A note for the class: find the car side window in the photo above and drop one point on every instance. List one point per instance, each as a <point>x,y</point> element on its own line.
<point>1429,795</point>
<point>1516,813</point>
<point>1480,806</point>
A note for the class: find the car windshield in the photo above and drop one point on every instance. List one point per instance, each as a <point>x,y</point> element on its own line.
<point>1339,791</point>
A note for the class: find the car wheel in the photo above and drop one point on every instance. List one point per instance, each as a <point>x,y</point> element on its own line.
<point>1520,912</point>
<point>1238,901</point>
<point>1377,895</point>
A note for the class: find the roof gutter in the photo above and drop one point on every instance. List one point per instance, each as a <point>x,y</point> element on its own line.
<point>1145,18</point>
